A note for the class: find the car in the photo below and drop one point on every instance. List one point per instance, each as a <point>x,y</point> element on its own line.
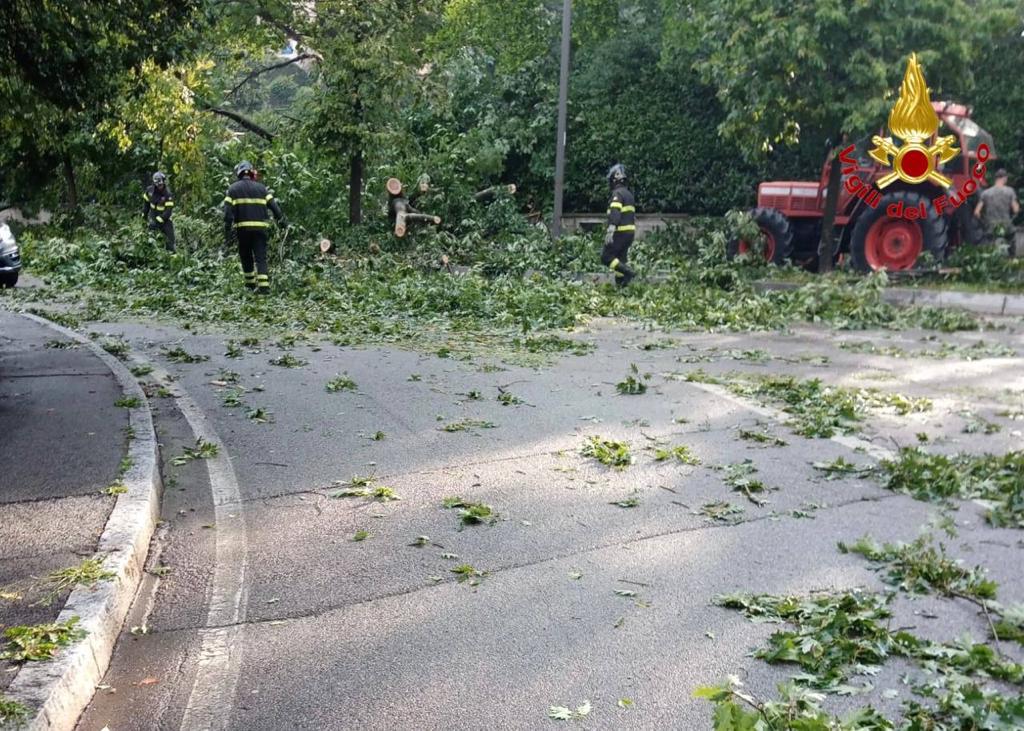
<point>10,257</point>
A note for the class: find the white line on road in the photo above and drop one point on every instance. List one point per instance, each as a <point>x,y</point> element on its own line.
<point>212,697</point>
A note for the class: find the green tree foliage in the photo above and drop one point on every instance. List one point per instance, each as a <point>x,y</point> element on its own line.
<point>999,95</point>
<point>373,56</point>
<point>61,62</point>
<point>465,90</point>
<point>784,68</point>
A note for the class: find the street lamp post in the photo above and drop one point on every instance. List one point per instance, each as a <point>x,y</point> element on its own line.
<point>563,104</point>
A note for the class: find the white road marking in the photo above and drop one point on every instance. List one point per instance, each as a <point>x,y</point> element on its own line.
<point>213,694</point>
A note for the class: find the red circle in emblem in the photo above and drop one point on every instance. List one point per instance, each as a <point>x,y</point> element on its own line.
<point>914,163</point>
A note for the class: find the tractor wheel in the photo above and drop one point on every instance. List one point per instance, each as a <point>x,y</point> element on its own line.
<point>881,242</point>
<point>778,237</point>
<point>971,231</point>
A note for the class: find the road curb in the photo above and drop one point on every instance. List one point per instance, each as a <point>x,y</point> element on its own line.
<point>58,690</point>
<point>982,303</point>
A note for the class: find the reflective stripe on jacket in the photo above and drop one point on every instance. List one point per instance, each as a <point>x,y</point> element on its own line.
<point>160,203</point>
<point>246,205</point>
<point>622,211</point>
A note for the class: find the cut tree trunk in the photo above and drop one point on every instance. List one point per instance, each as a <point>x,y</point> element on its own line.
<point>826,248</point>
<point>494,190</point>
<point>404,215</point>
<point>400,206</point>
<point>355,189</point>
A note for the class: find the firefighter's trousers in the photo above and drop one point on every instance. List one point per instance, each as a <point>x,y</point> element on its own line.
<point>615,256</point>
<point>252,250</point>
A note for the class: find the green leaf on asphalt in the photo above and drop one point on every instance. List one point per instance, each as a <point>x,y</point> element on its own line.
<point>341,383</point>
<point>559,713</point>
<point>630,502</point>
<point>287,360</point>
<point>202,450</point>
<point>361,535</point>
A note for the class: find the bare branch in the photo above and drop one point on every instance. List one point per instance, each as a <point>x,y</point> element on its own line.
<point>243,122</point>
<point>280,65</point>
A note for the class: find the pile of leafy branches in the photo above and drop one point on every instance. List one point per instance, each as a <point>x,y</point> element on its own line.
<point>817,409</point>
<point>996,481</point>
<point>922,567</point>
<point>369,294</point>
<point>834,637</point>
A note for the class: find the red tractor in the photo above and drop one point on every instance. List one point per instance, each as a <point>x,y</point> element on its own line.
<point>790,213</point>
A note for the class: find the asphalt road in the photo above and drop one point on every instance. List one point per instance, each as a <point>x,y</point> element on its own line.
<point>263,611</point>
<point>61,442</point>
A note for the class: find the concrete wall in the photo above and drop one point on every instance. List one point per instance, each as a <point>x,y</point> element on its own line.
<point>645,222</point>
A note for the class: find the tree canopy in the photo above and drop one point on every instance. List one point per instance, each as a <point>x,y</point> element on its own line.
<point>701,100</point>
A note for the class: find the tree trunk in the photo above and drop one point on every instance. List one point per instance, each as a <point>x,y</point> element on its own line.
<point>71,183</point>
<point>826,247</point>
<point>355,189</point>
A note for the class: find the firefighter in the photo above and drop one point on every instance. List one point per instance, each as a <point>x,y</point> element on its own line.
<point>621,227</point>
<point>245,214</point>
<point>158,209</point>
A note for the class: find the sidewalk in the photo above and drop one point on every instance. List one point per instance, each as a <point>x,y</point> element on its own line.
<point>62,440</point>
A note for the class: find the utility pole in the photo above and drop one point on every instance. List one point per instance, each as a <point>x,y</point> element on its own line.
<point>563,104</point>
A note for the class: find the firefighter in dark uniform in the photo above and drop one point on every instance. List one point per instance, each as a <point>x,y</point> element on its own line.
<point>245,215</point>
<point>621,227</point>
<point>158,208</point>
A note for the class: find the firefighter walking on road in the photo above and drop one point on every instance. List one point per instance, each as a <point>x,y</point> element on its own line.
<point>158,209</point>
<point>621,227</point>
<point>245,214</point>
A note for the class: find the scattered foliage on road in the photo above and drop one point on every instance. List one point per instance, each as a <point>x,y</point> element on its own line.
<point>738,476</point>
<point>471,513</point>
<point>12,713</point>
<point>721,511</point>
<point>468,425</point>
<point>995,481</point>
<point>763,436</point>
<point>608,452</point>
<point>633,384</point>
<point>923,567</point>
<point>841,467</point>
<point>202,450</point>
<point>41,641</point>
<point>88,573</point>
<point>680,453</point>
<point>179,355</point>
<point>467,573</point>
<point>341,383</point>
<point>287,360</point>
<point>563,713</point>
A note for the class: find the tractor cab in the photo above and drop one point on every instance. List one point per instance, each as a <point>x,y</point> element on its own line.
<point>957,119</point>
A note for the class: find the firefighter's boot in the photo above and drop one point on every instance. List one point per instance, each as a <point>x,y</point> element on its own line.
<point>250,280</point>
